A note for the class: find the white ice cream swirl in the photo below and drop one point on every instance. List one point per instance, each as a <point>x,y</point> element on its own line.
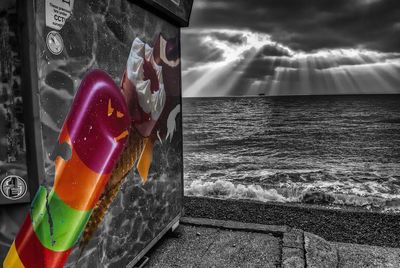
<point>151,103</point>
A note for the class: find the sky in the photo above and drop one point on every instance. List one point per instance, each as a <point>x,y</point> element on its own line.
<point>291,47</point>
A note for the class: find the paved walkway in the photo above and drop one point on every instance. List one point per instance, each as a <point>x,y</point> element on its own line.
<point>215,243</point>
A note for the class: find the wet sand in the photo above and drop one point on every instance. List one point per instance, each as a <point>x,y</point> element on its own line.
<point>346,225</point>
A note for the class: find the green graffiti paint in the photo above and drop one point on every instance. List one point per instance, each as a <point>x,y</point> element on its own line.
<point>38,206</point>
<point>57,226</point>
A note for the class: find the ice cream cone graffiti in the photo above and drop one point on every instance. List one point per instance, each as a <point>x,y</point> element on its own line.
<point>58,217</point>
<point>139,149</point>
<point>108,130</point>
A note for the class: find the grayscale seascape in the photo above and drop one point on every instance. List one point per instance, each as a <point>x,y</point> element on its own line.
<point>331,150</point>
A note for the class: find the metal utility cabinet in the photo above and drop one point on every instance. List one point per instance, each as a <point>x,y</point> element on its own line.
<point>47,46</point>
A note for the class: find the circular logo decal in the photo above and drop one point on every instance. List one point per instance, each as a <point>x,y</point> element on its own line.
<point>13,187</point>
<point>54,42</point>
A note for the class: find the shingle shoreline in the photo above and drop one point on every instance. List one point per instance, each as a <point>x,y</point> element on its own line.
<point>346,226</point>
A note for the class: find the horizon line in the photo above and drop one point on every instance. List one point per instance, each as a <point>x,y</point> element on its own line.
<point>290,95</point>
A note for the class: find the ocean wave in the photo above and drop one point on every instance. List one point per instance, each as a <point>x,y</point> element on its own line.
<point>370,196</point>
<point>226,189</point>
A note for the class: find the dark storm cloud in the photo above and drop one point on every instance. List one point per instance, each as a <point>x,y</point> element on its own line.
<point>197,52</point>
<point>248,47</point>
<point>269,50</point>
<point>310,24</point>
<point>229,37</point>
<point>201,47</point>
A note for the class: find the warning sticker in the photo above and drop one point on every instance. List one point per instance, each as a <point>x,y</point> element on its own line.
<point>57,12</point>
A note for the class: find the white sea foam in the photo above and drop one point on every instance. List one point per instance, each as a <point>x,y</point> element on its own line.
<point>369,195</point>
<point>226,189</point>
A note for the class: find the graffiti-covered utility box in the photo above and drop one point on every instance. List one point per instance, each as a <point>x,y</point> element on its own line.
<point>56,132</point>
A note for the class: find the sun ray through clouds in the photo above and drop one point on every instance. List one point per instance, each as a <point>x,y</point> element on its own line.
<point>333,71</point>
<point>292,48</point>
<point>337,71</point>
<point>218,77</point>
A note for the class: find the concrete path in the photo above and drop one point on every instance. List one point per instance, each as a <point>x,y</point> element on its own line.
<point>215,243</point>
<point>210,247</point>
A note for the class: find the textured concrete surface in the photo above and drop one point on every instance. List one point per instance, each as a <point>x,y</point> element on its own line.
<point>236,225</point>
<point>293,258</point>
<point>293,255</point>
<point>319,252</point>
<point>200,242</point>
<point>363,256</point>
<point>195,246</point>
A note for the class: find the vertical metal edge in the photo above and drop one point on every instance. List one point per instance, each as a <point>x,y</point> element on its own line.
<point>189,15</point>
<point>30,93</point>
<point>181,115</point>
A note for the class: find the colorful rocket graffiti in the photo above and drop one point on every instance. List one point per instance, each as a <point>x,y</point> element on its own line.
<point>102,119</point>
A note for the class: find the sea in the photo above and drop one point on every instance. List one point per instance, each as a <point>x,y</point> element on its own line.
<point>335,151</point>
